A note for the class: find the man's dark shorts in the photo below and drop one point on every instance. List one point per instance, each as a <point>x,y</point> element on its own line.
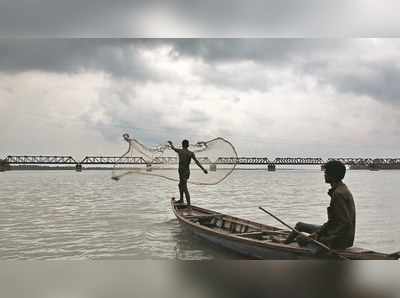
<point>307,228</point>
<point>184,175</point>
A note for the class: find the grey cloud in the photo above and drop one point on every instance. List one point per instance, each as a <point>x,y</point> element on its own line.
<point>233,81</point>
<point>198,117</point>
<point>318,58</point>
<point>233,18</point>
<point>270,50</point>
<point>372,78</point>
<point>120,56</point>
<point>74,18</point>
<point>265,53</point>
<point>380,82</point>
<point>114,56</point>
<point>124,112</point>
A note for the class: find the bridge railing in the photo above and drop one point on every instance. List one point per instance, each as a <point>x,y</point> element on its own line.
<point>298,161</point>
<point>108,160</point>
<point>40,159</point>
<point>111,160</point>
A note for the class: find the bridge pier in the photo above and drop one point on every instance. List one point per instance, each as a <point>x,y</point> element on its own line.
<point>4,165</point>
<point>78,167</point>
<point>271,167</point>
<point>213,167</point>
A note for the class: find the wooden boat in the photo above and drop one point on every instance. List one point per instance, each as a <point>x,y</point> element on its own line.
<point>255,240</point>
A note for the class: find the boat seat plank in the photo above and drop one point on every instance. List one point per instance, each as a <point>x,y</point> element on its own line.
<point>255,233</point>
<point>282,232</point>
<point>249,234</point>
<point>202,216</point>
<point>238,222</point>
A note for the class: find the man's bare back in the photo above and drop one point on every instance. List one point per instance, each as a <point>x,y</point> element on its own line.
<point>185,157</point>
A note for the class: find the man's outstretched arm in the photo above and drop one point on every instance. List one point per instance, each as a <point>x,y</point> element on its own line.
<point>199,164</point>
<point>172,146</point>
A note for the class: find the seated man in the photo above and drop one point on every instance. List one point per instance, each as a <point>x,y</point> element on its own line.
<point>338,232</point>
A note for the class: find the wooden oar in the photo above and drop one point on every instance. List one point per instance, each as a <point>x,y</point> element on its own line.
<point>308,237</point>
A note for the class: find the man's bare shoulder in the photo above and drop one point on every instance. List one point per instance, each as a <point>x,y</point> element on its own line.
<point>186,153</point>
<point>342,189</point>
<point>342,192</point>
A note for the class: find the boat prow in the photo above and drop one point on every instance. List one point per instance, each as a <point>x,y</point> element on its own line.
<point>256,240</point>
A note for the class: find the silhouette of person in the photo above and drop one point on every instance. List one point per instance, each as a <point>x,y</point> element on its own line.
<point>185,157</point>
<point>338,232</point>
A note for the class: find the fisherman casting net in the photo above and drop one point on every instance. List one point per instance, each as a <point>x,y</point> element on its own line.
<point>218,156</point>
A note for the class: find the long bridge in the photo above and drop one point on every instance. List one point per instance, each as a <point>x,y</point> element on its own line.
<point>40,160</point>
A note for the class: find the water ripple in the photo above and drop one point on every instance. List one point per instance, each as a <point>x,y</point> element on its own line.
<point>74,216</point>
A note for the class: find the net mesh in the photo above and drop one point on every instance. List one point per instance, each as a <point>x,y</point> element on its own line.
<point>218,156</point>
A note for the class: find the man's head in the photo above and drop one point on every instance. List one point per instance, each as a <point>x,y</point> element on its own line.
<point>185,143</point>
<point>334,171</point>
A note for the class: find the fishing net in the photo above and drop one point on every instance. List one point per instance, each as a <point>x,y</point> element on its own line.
<point>217,156</point>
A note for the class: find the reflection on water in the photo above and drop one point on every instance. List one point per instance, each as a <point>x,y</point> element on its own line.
<point>220,279</point>
<point>70,215</point>
<point>293,279</point>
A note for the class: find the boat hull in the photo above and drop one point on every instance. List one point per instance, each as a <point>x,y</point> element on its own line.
<point>254,240</point>
<point>248,250</point>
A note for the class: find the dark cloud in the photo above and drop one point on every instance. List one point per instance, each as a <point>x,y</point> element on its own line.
<point>232,18</point>
<point>259,59</point>
<point>329,61</point>
<point>348,73</point>
<point>379,81</point>
<point>74,18</point>
<point>119,57</point>
<point>270,50</point>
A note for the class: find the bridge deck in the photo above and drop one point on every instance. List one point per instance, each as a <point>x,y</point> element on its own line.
<point>111,160</point>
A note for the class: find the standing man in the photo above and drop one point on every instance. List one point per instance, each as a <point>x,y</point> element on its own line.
<point>185,157</point>
<point>338,232</point>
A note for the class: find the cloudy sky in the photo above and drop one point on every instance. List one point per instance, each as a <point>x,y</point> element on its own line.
<point>200,18</point>
<point>270,97</point>
<point>307,88</point>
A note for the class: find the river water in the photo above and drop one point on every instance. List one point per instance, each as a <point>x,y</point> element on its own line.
<point>68,215</point>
